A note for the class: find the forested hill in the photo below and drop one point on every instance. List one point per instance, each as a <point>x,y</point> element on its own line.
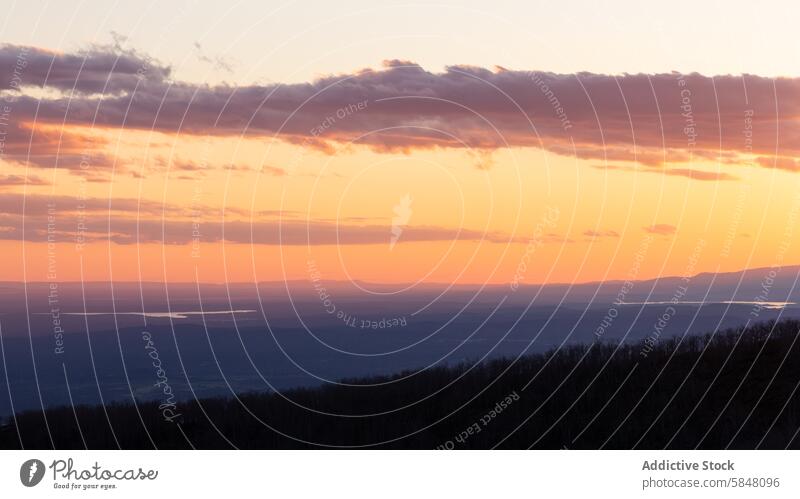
<point>735,388</point>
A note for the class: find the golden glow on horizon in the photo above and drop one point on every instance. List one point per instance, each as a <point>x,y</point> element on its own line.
<point>602,217</point>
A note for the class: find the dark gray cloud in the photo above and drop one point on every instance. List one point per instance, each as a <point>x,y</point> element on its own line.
<point>98,70</point>
<point>650,119</point>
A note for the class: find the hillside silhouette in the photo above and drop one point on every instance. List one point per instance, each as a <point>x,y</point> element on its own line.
<point>733,389</point>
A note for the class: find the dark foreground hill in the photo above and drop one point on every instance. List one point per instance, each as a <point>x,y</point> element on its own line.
<point>737,389</point>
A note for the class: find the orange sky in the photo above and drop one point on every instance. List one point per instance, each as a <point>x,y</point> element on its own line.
<point>393,175</point>
<point>572,220</point>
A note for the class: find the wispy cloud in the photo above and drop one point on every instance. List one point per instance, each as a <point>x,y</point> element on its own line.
<point>596,234</point>
<point>693,174</point>
<point>131,221</point>
<point>15,180</point>
<point>779,162</point>
<point>661,229</point>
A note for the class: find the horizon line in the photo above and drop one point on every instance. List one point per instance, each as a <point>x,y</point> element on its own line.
<point>220,283</point>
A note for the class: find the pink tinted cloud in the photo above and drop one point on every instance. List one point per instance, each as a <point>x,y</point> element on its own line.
<point>647,118</point>
<point>779,162</point>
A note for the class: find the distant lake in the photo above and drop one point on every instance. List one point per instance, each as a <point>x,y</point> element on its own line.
<point>771,305</point>
<point>161,315</point>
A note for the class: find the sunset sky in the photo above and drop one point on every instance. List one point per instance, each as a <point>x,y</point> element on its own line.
<point>164,142</point>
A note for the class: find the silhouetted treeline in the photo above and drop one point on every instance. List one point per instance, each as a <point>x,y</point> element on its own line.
<point>737,389</point>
